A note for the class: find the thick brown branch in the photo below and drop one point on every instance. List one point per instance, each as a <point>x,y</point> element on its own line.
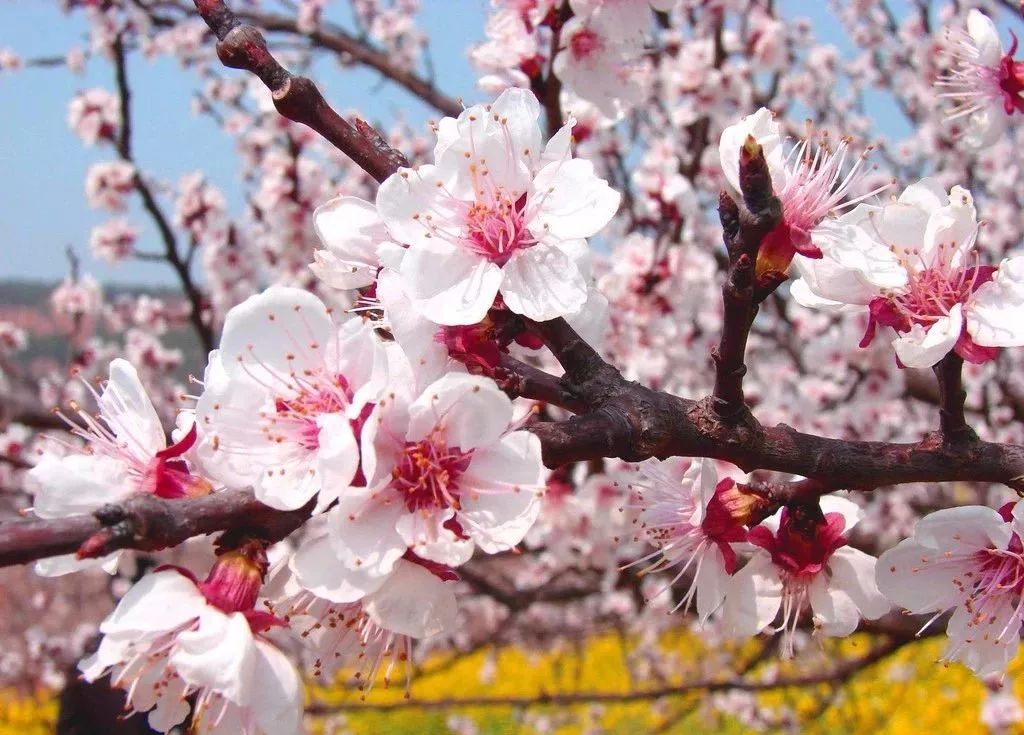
<point>638,423</point>
<point>146,523</point>
<point>297,98</point>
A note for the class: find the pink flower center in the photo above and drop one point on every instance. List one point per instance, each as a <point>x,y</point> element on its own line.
<point>584,44</point>
<point>296,417</point>
<point>497,228</point>
<point>427,475</point>
<point>931,293</point>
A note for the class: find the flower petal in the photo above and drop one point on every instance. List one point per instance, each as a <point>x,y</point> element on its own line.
<point>413,602</point>
<point>543,282</point>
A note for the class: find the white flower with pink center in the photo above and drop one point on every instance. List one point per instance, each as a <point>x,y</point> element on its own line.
<point>969,560</point>
<point>285,398</point>
<point>600,64</point>
<point>813,183</point>
<point>445,473</point>
<point>171,638</point>
<point>498,213</point>
<point>986,84</point>
<point>804,562</point>
<point>125,453</point>
<point>913,264</point>
<point>674,517</point>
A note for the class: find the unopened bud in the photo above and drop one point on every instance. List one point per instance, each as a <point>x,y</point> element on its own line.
<point>234,583</point>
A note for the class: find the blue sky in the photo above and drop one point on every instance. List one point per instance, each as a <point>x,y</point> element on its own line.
<point>42,164</point>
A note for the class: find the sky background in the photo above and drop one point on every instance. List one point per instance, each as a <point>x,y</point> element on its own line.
<point>43,164</point>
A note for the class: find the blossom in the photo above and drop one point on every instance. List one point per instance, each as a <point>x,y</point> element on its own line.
<point>690,535</point>
<point>497,213</point>
<point>94,115</point>
<point>113,241</point>
<point>107,184</point>
<point>798,566</point>
<point>912,263</point>
<point>986,84</point>
<point>444,473</point>
<point>284,398</point>
<point>969,560</point>
<point>171,638</point>
<point>809,182</point>
<point>352,233</point>
<point>126,453</point>
<point>367,630</point>
<point>600,64</point>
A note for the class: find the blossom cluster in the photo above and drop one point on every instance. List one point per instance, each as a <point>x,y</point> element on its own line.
<point>366,388</point>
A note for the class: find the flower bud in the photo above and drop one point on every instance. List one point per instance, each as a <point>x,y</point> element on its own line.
<point>234,583</point>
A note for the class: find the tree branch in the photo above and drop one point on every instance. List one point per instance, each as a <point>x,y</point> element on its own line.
<point>146,523</point>
<point>952,422</point>
<point>297,98</point>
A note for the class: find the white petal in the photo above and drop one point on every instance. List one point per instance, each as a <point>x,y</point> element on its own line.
<point>275,334</point>
<point>712,583</point>
<point>926,194</point>
<point>406,197</point>
<point>571,201</point>
<point>497,521</point>
<point>753,597</point>
<point>916,578</point>
<point>278,700</point>
<point>318,569</point>
<point>159,601</point>
<point>995,316</point>
<point>351,230</point>
<point>77,484</point>
<point>543,282</point>
<point>426,534</point>
<point>963,529</point>
<point>219,654</point>
<point>337,457</point>
<point>854,572</point>
<point>849,510</point>
<point>470,408</point>
<point>449,284</point>
<point>986,38</point>
<point>58,566</point>
<point>127,409</point>
<point>290,480</point>
<point>922,348</point>
<point>413,602</point>
<point>985,643</point>
<point>835,613</point>
<point>363,531</point>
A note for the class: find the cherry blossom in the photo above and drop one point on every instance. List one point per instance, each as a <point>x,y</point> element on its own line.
<point>969,560</point>
<point>284,398</point>
<point>171,638</point>
<point>107,184</point>
<point>804,562</point>
<point>497,213</point>
<point>94,116</point>
<point>913,264</point>
<point>986,84</point>
<point>113,241</point>
<point>370,628</point>
<point>445,472</point>
<point>125,453</point>
<point>687,520</point>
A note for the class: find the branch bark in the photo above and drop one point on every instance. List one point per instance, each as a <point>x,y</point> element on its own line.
<point>242,46</point>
